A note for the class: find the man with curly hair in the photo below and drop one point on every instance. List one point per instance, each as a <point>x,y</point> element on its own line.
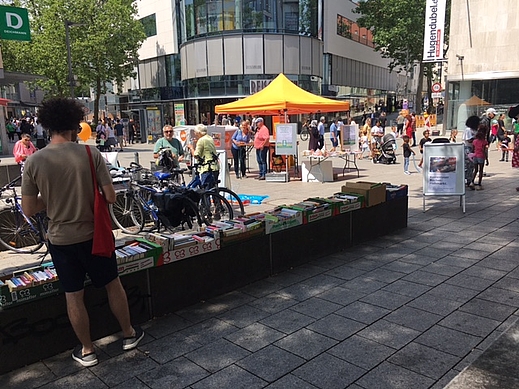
<point>59,181</point>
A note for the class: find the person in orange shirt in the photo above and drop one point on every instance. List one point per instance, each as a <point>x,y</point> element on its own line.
<point>261,144</point>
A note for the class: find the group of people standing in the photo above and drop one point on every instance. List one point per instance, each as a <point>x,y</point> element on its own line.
<point>113,133</point>
<point>479,134</point>
<point>26,126</point>
<point>317,130</point>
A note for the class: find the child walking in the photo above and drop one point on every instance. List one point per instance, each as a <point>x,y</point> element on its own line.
<point>407,153</point>
<point>364,144</point>
<point>505,144</point>
<point>480,145</point>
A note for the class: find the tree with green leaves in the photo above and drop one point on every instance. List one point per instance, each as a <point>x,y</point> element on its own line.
<point>398,34</point>
<point>104,39</point>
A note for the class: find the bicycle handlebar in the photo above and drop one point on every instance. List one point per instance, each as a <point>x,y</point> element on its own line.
<point>10,185</point>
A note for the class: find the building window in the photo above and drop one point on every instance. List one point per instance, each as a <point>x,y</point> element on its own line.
<point>351,30</point>
<point>201,17</point>
<point>150,25</point>
<point>189,18</point>
<point>230,22</point>
<point>343,27</point>
<point>214,16</point>
<point>204,17</point>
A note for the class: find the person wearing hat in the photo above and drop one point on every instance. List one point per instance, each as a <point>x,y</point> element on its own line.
<point>261,144</point>
<point>313,143</point>
<point>320,127</point>
<point>486,120</point>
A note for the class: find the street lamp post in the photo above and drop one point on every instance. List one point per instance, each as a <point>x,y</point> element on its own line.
<point>69,57</point>
<point>71,81</point>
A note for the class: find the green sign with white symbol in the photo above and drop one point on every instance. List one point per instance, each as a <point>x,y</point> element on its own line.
<point>14,24</point>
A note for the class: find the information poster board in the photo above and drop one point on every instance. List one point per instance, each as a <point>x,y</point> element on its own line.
<point>218,135</point>
<point>286,139</point>
<point>179,114</point>
<point>153,126</point>
<point>443,169</point>
<point>350,137</point>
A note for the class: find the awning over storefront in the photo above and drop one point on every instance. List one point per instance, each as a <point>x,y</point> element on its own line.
<point>475,101</point>
<point>282,96</point>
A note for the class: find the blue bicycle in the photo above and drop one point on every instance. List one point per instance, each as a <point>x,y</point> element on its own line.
<point>18,232</point>
<point>143,205</point>
<point>174,179</point>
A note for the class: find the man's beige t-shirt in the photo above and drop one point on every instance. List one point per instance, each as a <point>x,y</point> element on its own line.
<point>61,174</point>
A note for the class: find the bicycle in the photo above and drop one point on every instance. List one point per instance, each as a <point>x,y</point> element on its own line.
<point>305,133</point>
<point>175,178</point>
<point>210,185</point>
<point>18,232</point>
<point>211,204</point>
<point>135,209</point>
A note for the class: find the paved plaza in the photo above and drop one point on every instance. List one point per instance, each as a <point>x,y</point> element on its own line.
<point>408,310</point>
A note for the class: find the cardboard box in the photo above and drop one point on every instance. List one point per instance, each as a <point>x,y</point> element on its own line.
<point>277,177</point>
<point>349,204</point>
<point>12,298</point>
<point>313,210</point>
<point>34,291</point>
<point>226,240</point>
<point>279,221</point>
<point>396,191</point>
<point>188,252</point>
<point>374,192</point>
<point>136,265</point>
<point>128,254</point>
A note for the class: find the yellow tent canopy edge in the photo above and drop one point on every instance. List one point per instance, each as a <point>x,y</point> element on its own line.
<point>282,96</point>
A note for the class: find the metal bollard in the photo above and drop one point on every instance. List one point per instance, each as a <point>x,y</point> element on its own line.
<point>136,158</point>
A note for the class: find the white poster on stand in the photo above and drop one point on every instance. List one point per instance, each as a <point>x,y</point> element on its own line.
<point>349,137</point>
<point>286,138</point>
<point>444,169</point>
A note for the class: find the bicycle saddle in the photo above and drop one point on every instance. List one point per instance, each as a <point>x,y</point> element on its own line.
<point>162,175</point>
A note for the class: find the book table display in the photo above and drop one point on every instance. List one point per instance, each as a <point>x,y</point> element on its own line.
<point>164,272</point>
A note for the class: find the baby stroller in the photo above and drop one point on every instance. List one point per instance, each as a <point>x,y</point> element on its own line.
<point>385,150</point>
<point>102,143</point>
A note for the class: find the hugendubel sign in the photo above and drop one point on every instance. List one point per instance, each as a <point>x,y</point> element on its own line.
<point>434,31</point>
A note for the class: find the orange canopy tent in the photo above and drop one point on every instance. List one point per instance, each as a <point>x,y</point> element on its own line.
<point>475,100</point>
<point>282,96</point>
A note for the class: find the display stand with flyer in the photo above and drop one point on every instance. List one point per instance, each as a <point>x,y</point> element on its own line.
<point>444,171</point>
<point>286,145</point>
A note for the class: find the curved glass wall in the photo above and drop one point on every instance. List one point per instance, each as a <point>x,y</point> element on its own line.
<point>211,17</point>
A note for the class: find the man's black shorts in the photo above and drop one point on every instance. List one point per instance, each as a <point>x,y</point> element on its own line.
<point>74,261</point>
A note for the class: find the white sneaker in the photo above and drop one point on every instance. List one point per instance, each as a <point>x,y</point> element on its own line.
<point>407,172</point>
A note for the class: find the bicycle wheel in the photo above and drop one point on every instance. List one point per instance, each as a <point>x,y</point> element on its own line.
<point>304,135</point>
<point>127,214</point>
<point>190,214</point>
<point>233,199</point>
<point>214,207</point>
<point>17,234</point>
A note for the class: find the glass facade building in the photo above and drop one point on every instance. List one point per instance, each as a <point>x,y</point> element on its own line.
<point>227,46</point>
<point>202,53</point>
<point>208,17</point>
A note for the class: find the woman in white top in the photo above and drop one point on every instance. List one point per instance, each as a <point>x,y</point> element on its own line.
<point>110,136</point>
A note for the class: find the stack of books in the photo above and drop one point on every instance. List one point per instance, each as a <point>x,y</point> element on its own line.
<point>30,278</point>
<point>136,250</point>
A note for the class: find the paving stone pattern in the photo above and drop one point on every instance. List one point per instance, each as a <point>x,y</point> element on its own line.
<point>407,310</point>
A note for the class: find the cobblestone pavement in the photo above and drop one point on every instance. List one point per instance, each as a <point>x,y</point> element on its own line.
<point>408,310</point>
